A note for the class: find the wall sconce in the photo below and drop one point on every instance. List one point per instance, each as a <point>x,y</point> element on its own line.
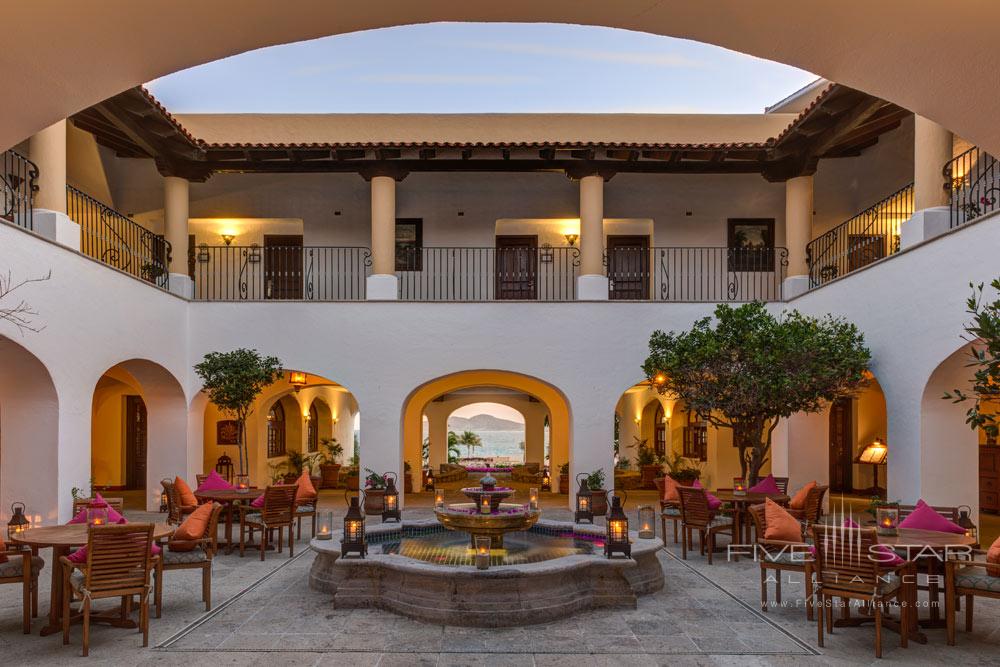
<point>297,379</point>
<point>637,421</point>
<point>335,419</point>
<point>658,381</point>
<point>228,238</point>
<point>571,238</point>
<point>306,416</point>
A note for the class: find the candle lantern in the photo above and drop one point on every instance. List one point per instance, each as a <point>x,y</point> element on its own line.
<point>18,521</point>
<point>97,514</point>
<point>965,521</point>
<point>429,480</point>
<point>297,379</point>
<point>533,498</point>
<point>647,522</point>
<point>390,500</point>
<point>546,480</point>
<point>438,497</point>
<point>584,501</point>
<point>887,520</point>
<point>616,533</point>
<point>739,486</point>
<point>324,525</point>
<point>354,530</point>
<point>164,501</point>
<point>242,483</point>
<point>485,504</point>
<point>482,548</point>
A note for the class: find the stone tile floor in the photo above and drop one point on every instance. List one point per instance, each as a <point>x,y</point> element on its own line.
<point>265,614</point>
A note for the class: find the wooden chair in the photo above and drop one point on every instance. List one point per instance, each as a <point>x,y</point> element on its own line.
<point>199,480</point>
<point>305,509</point>
<point>198,558</point>
<point>813,510</point>
<point>780,556</point>
<point>846,570</point>
<point>971,579</point>
<point>670,510</point>
<point>116,504</point>
<point>175,511</point>
<point>118,566</point>
<point>782,483</point>
<point>21,567</point>
<point>695,515</point>
<point>277,513</point>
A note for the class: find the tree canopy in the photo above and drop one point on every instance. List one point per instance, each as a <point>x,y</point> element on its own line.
<point>984,355</point>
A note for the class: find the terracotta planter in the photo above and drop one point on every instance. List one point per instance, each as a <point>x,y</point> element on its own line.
<point>374,501</point>
<point>330,474</point>
<point>563,483</point>
<point>599,501</point>
<point>351,481</point>
<point>649,474</point>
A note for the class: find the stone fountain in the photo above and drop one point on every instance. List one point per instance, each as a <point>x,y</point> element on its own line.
<point>487,515</point>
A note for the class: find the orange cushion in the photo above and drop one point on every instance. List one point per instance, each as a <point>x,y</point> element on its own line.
<point>192,528</point>
<point>798,501</point>
<point>993,556</point>
<point>670,491</point>
<point>184,492</point>
<point>780,524</point>
<point>306,489</point>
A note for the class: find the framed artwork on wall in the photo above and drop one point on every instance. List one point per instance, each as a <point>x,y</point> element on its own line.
<point>227,432</point>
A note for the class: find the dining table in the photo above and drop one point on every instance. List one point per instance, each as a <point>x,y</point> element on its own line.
<point>740,502</point>
<point>229,498</point>
<point>61,539</point>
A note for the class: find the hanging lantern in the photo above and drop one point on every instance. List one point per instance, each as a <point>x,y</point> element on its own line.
<point>324,525</point>
<point>164,501</point>
<point>297,379</point>
<point>887,520</point>
<point>533,498</point>
<point>616,536</point>
<point>390,500</point>
<point>429,480</point>
<point>584,501</point>
<point>647,522</point>
<point>354,530</point>
<point>739,486</point>
<point>439,498</point>
<point>658,380</point>
<point>546,480</point>
<point>965,521</point>
<point>18,521</point>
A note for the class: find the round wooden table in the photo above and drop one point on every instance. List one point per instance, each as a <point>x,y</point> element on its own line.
<point>740,503</point>
<point>61,539</point>
<point>229,498</point>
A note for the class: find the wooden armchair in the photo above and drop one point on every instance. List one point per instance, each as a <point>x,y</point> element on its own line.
<point>971,579</point>
<point>200,479</point>
<point>780,556</point>
<point>782,483</point>
<point>197,558</point>
<point>670,510</point>
<point>21,567</point>
<point>175,511</point>
<point>116,504</point>
<point>305,509</point>
<point>696,516</point>
<point>118,566</point>
<point>813,510</point>
<point>277,513</point>
<point>845,569</point>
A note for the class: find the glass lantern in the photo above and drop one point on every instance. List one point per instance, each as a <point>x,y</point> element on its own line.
<point>485,504</point>
<point>739,486</point>
<point>354,531</point>
<point>533,498</point>
<point>584,501</point>
<point>324,525</point>
<point>546,480</point>
<point>438,497</point>
<point>164,501</point>
<point>616,534</point>
<point>390,499</point>
<point>429,480</point>
<point>965,521</point>
<point>97,515</point>
<point>887,520</point>
<point>242,483</point>
<point>482,555</point>
<point>18,522</point>
<point>647,522</point>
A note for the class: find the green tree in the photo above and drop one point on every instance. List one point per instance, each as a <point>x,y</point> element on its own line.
<point>453,451</point>
<point>984,355</point>
<point>233,381</point>
<point>749,368</point>
<point>470,440</point>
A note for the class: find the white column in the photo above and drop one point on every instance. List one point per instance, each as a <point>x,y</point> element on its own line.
<point>381,444</point>
<point>437,431</point>
<point>382,285</point>
<point>932,149</point>
<point>591,447</point>
<point>176,206</point>
<point>592,285</point>
<point>534,435</point>
<point>798,231</point>
<point>48,152</point>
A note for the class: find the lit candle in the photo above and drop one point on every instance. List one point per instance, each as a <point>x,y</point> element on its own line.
<point>533,498</point>
<point>485,505</point>
<point>439,498</point>
<point>482,552</point>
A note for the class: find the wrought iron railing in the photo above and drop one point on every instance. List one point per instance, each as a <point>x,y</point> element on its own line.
<point>696,274</point>
<point>255,273</point>
<point>488,274</point>
<point>865,238</point>
<point>973,179</point>
<point>18,176</point>
<point>118,241</point>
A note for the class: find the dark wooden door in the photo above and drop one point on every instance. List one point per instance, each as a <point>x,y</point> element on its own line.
<point>841,446</point>
<point>135,442</point>
<point>517,267</point>
<point>660,432</point>
<point>628,267</point>
<point>282,266</point>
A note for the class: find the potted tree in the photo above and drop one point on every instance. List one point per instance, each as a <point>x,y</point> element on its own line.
<point>599,501</point>
<point>649,467</point>
<point>564,478</point>
<point>299,463</point>
<point>329,468</point>
<point>374,492</point>
<point>352,479</point>
<point>762,367</point>
<point>682,471</point>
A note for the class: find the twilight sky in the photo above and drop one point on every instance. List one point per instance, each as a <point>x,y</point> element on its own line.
<point>472,67</point>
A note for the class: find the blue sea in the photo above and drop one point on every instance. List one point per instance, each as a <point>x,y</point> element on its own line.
<point>498,443</point>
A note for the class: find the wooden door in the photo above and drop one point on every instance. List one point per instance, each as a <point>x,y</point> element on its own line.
<point>841,447</point>
<point>516,267</point>
<point>628,267</point>
<point>282,266</point>
<point>660,432</point>
<point>135,443</point>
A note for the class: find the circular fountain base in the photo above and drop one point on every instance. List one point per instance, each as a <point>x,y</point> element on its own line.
<point>557,579</point>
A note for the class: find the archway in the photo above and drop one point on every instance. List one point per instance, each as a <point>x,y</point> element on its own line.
<point>29,435</point>
<point>499,424</point>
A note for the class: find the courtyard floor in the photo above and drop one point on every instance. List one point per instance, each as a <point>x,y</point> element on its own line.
<point>265,613</point>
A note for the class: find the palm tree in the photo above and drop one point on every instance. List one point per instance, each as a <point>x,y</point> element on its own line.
<point>453,451</point>
<point>470,440</point>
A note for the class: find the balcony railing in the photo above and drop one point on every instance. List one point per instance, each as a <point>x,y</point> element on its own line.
<point>488,274</point>
<point>696,274</point>
<point>18,176</point>
<point>118,241</point>
<point>973,179</point>
<point>255,273</point>
<point>865,238</point>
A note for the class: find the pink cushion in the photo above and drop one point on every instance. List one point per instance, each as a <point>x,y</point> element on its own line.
<point>766,485</point>
<point>81,517</point>
<point>851,523</point>
<point>713,502</point>
<point>215,482</point>
<point>113,515</point>
<point>925,518</point>
<point>886,557</point>
<point>258,501</point>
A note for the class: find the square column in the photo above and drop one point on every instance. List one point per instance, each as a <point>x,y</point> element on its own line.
<point>592,284</point>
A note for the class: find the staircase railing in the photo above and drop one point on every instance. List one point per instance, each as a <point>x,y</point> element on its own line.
<point>18,185</point>
<point>973,179</point>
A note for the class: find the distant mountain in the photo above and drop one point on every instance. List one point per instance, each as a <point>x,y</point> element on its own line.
<point>482,423</point>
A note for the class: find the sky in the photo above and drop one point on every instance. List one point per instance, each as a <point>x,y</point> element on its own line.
<point>471,67</point>
<point>495,409</point>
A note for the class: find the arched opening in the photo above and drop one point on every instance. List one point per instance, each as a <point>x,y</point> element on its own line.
<point>494,435</point>
<point>138,415</point>
<point>29,435</point>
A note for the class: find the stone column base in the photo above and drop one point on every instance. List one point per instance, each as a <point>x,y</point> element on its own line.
<point>182,285</point>
<point>592,287</point>
<point>794,286</point>
<point>924,225</point>
<point>381,287</point>
<point>57,226</point>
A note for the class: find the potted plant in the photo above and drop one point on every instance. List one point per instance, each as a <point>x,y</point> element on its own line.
<point>564,478</point>
<point>374,492</point>
<point>599,501</point>
<point>299,463</point>
<point>329,468</point>
<point>649,467</point>
<point>682,471</point>
<point>407,478</point>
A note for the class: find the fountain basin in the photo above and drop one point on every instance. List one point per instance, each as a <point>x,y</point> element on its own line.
<point>505,518</point>
<point>522,589</point>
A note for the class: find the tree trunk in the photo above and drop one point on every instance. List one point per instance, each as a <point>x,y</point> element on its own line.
<point>748,435</point>
<point>242,448</point>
